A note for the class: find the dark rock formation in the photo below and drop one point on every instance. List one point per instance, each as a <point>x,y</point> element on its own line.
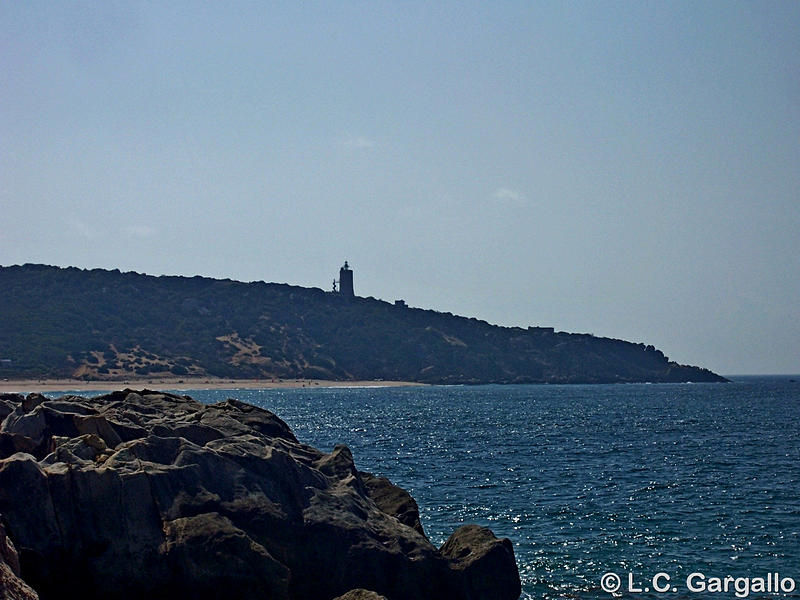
<point>393,500</point>
<point>11,586</point>
<point>486,563</point>
<point>152,495</point>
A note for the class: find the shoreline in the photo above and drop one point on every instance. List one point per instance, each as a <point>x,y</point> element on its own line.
<point>184,384</point>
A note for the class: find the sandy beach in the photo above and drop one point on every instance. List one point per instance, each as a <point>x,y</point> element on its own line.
<point>157,383</point>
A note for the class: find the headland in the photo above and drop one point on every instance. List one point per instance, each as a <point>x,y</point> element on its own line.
<point>106,325</point>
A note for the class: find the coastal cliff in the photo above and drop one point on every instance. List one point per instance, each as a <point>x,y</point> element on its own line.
<point>140,494</point>
<point>107,325</point>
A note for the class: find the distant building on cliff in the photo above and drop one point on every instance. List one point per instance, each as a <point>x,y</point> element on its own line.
<point>345,281</point>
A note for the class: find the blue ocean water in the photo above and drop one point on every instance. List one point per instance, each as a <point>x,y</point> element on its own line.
<point>629,479</point>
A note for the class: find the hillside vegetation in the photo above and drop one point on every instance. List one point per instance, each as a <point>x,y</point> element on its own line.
<point>99,324</point>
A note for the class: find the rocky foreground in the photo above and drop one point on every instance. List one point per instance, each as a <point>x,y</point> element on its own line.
<point>151,495</point>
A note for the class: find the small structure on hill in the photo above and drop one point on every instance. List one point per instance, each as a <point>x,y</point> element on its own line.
<point>344,285</point>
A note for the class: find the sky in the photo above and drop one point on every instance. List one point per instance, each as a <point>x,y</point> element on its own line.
<point>627,169</point>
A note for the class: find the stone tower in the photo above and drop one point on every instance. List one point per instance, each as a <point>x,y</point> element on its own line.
<point>346,281</point>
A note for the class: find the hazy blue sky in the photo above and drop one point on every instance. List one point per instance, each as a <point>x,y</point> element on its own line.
<point>629,169</point>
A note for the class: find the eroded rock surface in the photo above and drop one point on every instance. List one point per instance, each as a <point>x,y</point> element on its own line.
<point>141,494</point>
<point>11,586</point>
<point>360,594</point>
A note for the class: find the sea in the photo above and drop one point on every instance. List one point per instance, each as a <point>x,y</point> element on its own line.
<point>606,491</point>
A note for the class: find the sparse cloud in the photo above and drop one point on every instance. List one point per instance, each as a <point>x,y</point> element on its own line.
<point>357,142</point>
<point>509,196</point>
<point>140,231</point>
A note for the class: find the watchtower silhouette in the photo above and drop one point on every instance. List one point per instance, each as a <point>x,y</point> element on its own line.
<point>346,281</point>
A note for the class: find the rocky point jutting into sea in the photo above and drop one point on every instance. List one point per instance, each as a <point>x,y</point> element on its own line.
<point>140,494</point>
